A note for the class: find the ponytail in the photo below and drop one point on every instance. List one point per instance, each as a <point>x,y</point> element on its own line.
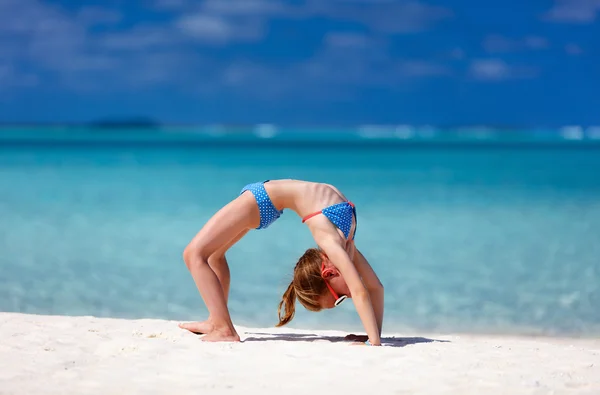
<point>288,301</point>
<point>307,286</point>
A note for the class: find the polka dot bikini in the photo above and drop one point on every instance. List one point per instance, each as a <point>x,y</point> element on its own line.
<point>268,212</point>
<point>339,214</point>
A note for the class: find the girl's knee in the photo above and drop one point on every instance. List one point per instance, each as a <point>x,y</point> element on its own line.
<point>195,254</point>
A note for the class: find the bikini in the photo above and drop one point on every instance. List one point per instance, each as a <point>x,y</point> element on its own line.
<point>268,212</point>
<point>340,214</point>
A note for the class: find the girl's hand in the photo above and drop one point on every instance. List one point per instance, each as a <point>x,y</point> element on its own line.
<point>334,249</point>
<point>365,343</point>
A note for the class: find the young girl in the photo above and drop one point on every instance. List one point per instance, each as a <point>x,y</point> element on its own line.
<point>323,277</point>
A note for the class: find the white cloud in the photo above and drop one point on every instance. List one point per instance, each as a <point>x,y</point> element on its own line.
<point>346,40</point>
<point>220,30</point>
<point>64,43</point>
<point>167,68</point>
<point>260,81</point>
<point>10,77</point>
<point>226,21</point>
<point>171,4</point>
<point>47,36</point>
<point>499,70</point>
<point>573,11</point>
<point>343,65</point>
<point>221,22</point>
<point>47,39</point>
<point>243,7</point>
<point>392,17</point>
<point>421,68</point>
<point>139,38</point>
<point>490,69</point>
<point>457,54</point>
<point>500,44</point>
<point>535,42</point>
<point>573,49</point>
<point>91,16</point>
<point>205,26</point>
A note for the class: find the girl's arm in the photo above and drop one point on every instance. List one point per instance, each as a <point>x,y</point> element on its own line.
<point>374,286</point>
<point>334,247</point>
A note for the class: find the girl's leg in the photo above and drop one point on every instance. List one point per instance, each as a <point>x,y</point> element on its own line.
<point>237,216</point>
<point>218,263</point>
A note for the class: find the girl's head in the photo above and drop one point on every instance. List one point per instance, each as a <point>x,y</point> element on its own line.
<point>317,284</point>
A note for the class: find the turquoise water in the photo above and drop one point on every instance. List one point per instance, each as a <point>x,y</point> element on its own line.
<point>495,238</point>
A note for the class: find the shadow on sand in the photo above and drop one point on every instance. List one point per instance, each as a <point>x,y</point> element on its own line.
<point>300,337</point>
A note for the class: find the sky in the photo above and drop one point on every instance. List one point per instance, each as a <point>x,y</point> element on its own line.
<point>509,63</point>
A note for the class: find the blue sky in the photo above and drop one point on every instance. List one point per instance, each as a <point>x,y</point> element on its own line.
<point>506,63</point>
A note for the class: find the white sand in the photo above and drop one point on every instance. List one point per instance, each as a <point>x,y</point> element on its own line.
<point>86,355</point>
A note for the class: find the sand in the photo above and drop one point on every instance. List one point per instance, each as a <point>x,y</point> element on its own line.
<point>87,355</point>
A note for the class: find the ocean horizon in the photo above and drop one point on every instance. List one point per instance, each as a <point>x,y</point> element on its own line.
<point>271,133</point>
<point>473,230</point>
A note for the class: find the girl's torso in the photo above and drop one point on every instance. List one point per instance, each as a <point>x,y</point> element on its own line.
<point>306,198</point>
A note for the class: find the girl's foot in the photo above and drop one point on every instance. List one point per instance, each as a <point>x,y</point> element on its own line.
<point>221,335</point>
<point>200,328</point>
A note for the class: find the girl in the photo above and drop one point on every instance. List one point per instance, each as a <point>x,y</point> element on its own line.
<point>323,277</point>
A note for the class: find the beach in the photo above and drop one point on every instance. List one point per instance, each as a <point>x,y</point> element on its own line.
<point>488,258</point>
<point>463,137</point>
<point>43,354</point>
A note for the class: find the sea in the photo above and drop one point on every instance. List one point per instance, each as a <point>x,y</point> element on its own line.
<point>470,230</point>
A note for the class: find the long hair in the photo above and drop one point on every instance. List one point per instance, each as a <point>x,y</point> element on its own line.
<point>307,286</point>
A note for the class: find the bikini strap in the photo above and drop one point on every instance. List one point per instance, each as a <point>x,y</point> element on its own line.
<point>309,216</point>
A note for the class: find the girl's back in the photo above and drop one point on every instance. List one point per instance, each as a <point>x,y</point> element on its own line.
<point>303,197</point>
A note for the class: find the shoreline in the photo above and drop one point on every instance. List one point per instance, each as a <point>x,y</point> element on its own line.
<point>521,333</point>
<point>51,354</point>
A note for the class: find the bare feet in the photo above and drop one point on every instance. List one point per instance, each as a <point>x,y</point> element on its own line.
<point>221,335</point>
<point>198,327</point>
<point>210,332</point>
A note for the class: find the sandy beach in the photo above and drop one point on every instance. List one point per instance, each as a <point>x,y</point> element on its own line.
<point>87,355</point>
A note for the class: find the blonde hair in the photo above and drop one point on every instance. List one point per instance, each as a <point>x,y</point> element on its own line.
<point>307,285</point>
